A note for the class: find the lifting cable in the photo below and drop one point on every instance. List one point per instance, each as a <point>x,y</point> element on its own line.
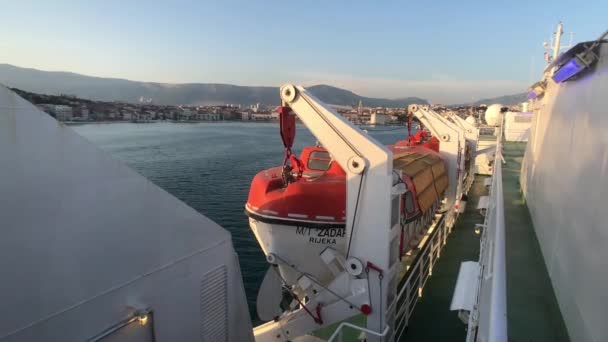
<point>369,290</point>
<point>316,318</point>
<point>311,277</point>
<point>352,227</point>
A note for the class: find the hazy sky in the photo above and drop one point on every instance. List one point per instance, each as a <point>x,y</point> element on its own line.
<point>446,51</point>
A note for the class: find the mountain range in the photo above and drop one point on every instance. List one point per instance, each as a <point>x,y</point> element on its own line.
<point>506,100</point>
<point>114,89</point>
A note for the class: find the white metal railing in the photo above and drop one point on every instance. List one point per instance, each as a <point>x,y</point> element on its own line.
<point>338,333</point>
<point>488,319</point>
<point>410,288</point>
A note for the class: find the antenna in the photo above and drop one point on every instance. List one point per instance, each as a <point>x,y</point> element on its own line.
<point>553,48</point>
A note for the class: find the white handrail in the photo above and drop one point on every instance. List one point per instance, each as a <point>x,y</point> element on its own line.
<point>498,313</point>
<point>338,331</point>
<point>488,320</point>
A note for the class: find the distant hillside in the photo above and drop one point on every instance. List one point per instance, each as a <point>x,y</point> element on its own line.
<point>113,89</point>
<point>507,100</point>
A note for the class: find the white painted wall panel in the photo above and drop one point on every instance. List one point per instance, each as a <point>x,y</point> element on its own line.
<point>565,181</point>
<point>84,238</point>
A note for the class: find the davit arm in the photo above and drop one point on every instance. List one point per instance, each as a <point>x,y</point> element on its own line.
<point>369,181</point>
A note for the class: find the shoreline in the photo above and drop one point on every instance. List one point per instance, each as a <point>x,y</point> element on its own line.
<point>82,123</point>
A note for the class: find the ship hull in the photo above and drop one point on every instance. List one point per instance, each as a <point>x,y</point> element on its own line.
<point>306,240</point>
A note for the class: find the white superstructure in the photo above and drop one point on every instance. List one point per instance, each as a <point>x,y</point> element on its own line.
<point>517,126</point>
<point>91,250</point>
<point>565,182</point>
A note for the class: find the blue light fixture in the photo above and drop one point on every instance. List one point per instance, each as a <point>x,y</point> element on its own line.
<point>575,61</point>
<point>575,64</point>
<point>536,90</point>
<point>569,69</point>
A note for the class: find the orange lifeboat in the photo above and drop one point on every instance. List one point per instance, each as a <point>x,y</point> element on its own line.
<point>303,212</point>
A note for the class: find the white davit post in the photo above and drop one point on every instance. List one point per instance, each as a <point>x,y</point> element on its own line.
<point>452,149</point>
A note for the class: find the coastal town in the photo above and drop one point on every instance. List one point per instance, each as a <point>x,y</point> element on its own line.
<point>71,109</point>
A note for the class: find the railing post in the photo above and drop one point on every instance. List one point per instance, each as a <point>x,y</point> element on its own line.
<point>431,248</point>
<point>407,303</point>
<point>445,234</point>
<point>439,243</point>
<point>421,276</point>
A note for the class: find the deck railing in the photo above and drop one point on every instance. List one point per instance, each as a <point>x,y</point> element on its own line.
<point>411,286</point>
<point>488,319</point>
<point>337,335</point>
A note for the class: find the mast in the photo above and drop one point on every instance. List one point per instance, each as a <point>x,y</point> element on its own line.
<point>558,38</point>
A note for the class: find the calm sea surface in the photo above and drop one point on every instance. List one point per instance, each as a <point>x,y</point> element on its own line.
<point>209,166</point>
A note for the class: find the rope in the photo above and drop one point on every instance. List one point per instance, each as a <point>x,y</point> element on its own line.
<point>286,175</point>
<point>380,277</point>
<point>369,289</point>
<point>311,277</point>
<point>286,286</point>
<point>352,228</point>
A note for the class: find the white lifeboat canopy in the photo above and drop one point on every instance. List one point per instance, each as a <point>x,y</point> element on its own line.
<point>493,115</point>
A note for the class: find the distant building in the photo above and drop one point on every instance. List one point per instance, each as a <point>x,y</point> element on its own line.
<point>186,114</point>
<point>209,117</point>
<point>378,119</point>
<point>265,116</point>
<point>61,112</point>
<point>80,113</point>
<point>145,100</point>
<point>352,117</point>
<point>256,108</point>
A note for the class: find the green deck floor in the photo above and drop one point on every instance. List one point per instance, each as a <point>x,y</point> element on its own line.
<point>532,310</point>
<point>432,319</point>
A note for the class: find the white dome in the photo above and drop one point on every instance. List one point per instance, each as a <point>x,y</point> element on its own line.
<point>493,115</point>
<point>471,119</point>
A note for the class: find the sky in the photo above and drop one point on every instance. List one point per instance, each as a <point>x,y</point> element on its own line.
<point>444,51</point>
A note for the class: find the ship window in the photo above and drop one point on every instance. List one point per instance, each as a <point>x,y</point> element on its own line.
<point>395,211</point>
<point>409,203</point>
<point>319,160</point>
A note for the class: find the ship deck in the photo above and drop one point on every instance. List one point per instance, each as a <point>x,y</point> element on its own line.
<point>532,310</point>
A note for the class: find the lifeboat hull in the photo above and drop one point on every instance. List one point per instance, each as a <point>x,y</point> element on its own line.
<point>306,240</point>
